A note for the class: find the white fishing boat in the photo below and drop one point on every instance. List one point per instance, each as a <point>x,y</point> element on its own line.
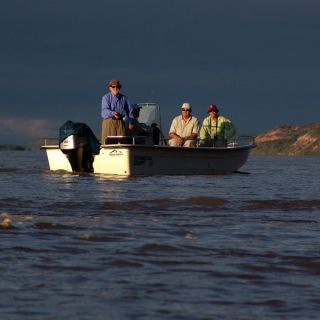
<point>140,156</point>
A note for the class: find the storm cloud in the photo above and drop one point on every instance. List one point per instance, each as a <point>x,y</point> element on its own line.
<point>257,60</point>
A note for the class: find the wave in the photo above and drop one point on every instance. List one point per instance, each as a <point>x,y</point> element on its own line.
<point>212,203</point>
<point>285,205</point>
<point>201,203</point>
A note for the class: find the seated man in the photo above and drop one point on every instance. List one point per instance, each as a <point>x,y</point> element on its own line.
<point>184,128</point>
<point>139,129</point>
<point>216,130</point>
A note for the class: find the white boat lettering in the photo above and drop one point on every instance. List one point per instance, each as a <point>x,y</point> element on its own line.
<point>115,152</point>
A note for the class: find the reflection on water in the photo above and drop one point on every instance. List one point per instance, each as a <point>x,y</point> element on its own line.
<point>243,246</point>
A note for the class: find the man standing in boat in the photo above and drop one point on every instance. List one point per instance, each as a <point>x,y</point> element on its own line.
<point>114,107</point>
<point>184,128</point>
<point>216,130</point>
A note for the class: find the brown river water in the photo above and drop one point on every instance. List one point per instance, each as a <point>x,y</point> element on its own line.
<point>241,246</point>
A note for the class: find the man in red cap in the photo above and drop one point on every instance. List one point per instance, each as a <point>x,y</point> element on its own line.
<point>216,130</point>
<point>114,107</point>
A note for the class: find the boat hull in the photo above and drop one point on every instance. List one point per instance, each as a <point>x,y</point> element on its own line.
<point>140,160</point>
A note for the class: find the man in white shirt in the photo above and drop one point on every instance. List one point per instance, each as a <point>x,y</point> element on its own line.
<point>184,128</point>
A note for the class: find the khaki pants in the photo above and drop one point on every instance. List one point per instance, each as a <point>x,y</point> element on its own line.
<point>111,127</point>
<point>188,143</point>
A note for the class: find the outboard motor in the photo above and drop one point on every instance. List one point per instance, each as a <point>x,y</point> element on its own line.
<point>79,143</point>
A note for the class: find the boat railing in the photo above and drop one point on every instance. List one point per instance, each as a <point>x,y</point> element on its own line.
<point>47,142</point>
<point>145,140</point>
<point>241,141</point>
<point>230,143</point>
<point>134,140</point>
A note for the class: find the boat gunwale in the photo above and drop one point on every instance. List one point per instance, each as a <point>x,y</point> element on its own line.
<point>155,147</point>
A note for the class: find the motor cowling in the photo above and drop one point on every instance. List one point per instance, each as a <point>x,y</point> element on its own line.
<point>78,142</point>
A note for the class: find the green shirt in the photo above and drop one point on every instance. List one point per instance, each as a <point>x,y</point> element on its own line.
<point>221,129</point>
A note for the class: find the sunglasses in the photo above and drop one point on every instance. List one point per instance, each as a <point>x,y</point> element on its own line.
<point>185,109</point>
<point>115,87</point>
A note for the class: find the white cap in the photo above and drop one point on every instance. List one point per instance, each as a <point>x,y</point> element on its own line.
<point>186,105</point>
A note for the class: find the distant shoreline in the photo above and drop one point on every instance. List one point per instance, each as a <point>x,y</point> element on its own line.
<point>12,147</point>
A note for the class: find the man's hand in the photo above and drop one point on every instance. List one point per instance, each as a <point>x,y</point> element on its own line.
<point>116,115</point>
<point>179,139</point>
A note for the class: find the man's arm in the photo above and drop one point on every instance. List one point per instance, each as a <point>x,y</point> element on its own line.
<point>106,111</point>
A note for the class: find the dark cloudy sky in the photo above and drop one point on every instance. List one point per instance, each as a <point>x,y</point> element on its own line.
<point>258,60</point>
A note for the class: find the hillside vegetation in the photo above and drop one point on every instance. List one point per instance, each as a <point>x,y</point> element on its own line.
<point>289,140</point>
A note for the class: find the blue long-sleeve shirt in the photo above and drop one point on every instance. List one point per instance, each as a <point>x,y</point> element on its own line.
<point>116,103</point>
